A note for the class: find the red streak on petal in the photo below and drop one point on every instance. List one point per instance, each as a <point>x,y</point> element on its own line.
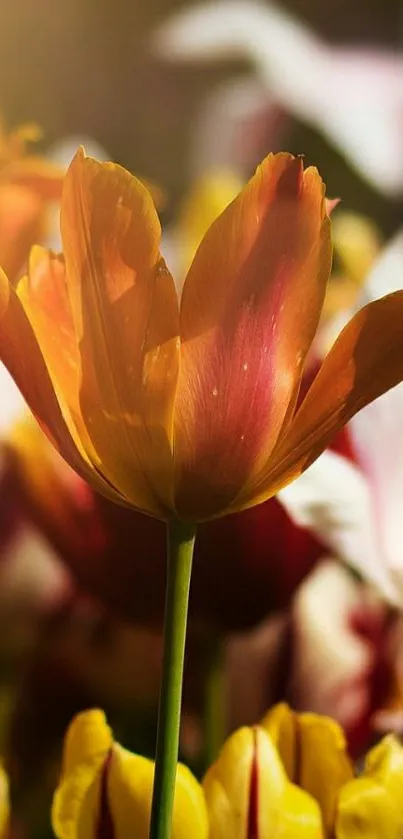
<point>105,829</point>
<point>253,820</point>
<point>298,756</point>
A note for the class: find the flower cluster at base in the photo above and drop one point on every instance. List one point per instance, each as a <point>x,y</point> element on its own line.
<point>289,776</point>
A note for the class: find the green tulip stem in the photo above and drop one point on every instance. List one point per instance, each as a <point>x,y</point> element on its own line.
<point>180,546</point>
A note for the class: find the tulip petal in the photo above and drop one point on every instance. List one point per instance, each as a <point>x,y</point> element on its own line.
<point>371,806</point>
<point>43,293</point>
<point>249,311</point>
<point>17,344</point>
<point>313,750</point>
<point>248,795</point>
<point>365,361</point>
<point>227,784</point>
<point>21,354</point>
<point>280,723</point>
<point>76,801</point>
<point>385,762</point>
<point>125,313</point>
<point>130,788</point>
<point>88,740</point>
<point>105,786</point>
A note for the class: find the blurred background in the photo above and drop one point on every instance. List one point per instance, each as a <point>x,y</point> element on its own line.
<point>85,67</point>
<point>192,104</point>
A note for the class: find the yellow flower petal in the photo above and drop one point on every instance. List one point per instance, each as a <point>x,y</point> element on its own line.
<point>125,312</point>
<point>370,807</point>
<point>104,783</point>
<point>227,786</point>
<point>19,343</point>
<point>76,801</point>
<point>43,294</point>
<point>366,811</point>
<point>130,786</point>
<point>300,816</point>
<point>281,724</point>
<point>324,764</point>
<point>385,763</point>
<point>249,797</point>
<point>314,755</point>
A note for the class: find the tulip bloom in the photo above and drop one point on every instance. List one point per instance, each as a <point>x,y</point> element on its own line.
<point>106,791</point>
<point>313,753</point>
<point>288,777</point>
<point>190,411</point>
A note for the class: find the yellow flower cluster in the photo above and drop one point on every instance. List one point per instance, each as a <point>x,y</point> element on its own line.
<point>288,777</point>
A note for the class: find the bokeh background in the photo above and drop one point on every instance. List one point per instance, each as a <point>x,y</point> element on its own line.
<point>84,67</point>
<point>81,582</point>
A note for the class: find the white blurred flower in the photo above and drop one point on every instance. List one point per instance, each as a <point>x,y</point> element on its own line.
<point>353,96</point>
<point>236,121</point>
<point>332,661</point>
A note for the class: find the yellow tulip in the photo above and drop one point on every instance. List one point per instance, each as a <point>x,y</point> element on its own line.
<point>188,408</point>
<point>313,751</point>
<point>371,805</point>
<point>287,778</point>
<point>291,777</point>
<point>248,794</point>
<point>105,790</point>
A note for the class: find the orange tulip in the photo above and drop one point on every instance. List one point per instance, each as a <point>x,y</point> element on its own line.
<point>27,184</point>
<point>189,408</point>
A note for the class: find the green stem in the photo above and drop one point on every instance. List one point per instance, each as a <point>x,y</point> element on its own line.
<point>181,539</point>
<point>214,700</point>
